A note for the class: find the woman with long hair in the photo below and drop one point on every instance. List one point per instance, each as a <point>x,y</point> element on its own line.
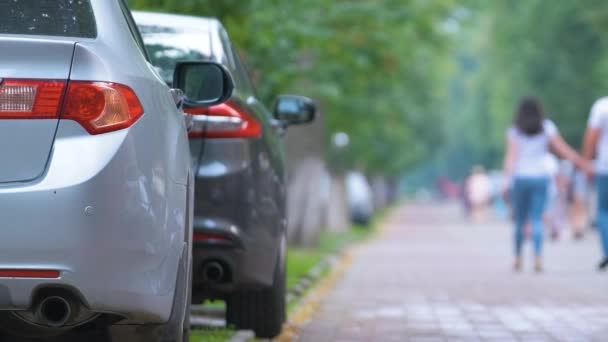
<point>529,140</point>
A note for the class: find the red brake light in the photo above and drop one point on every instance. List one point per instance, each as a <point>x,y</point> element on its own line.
<point>225,120</point>
<point>101,107</point>
<point>200,237</point>
<point>42,274</point>
<point>30,99</point>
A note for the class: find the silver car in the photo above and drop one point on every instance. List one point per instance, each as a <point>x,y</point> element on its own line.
<point>95,175</point>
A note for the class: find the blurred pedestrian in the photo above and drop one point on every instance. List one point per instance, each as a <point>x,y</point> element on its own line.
<point>580,199</point>
<point>556,217</point>
<point>479,189</point>
<point>464,198</point>
<point>528,142</point>
<point>498,198</point>
<point>596,142</point>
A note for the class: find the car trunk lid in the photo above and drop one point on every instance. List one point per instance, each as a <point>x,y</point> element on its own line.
<point>33,81</point>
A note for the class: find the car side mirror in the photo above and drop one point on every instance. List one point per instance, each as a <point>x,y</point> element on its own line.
<point>295,110</point>
<point>204,84</point>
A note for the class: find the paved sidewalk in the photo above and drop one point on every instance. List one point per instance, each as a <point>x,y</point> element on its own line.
<point>433,277</point>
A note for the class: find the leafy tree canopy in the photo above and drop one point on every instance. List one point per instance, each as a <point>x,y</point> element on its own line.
<point>377,67</point>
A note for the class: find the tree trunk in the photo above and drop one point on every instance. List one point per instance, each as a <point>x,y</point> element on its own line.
<point>309,183</point>
<point>338,212</point>
<point>307,203</point>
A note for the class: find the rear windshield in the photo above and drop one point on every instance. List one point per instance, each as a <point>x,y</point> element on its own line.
<point>66,18</point>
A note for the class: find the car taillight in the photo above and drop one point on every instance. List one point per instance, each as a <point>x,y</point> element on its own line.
<point>30,99</point>
<point>225,120</point>
<point>25,273</point>
<point>99,107</point>
<point>207,237</point>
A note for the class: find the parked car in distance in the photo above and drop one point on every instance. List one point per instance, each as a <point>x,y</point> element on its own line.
<point>96,183</point>
<point>237,152</point>
<point>359,198</point>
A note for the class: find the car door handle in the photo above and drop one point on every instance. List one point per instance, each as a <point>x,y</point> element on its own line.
<point>279,126</point>
<point>178,97</point>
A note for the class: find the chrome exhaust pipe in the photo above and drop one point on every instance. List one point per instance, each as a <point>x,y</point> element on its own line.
<point>54,311</point>
<point>213,272</point>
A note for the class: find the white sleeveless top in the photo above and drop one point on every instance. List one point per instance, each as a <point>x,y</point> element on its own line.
<point>599,119</point>
<point>532,150</point>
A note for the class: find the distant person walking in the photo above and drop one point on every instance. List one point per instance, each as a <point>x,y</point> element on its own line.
<point>580,192</point>
<point>479,189</point>
<point>596,146</point>
<point>528,141</point>
<point>556,213</point>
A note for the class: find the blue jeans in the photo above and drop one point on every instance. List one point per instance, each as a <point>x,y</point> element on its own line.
<point>529,201</point>
<point>602,211</point>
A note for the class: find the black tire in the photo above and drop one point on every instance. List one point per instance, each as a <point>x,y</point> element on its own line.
<point>177,329</point>
<point>262,311</point>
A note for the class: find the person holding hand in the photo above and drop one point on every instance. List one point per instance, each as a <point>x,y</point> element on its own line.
<point>529,140</point>
<point>595,145</point>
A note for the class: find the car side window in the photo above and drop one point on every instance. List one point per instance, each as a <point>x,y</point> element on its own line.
<point>244,75</point>
<point>133,28</point>
<point>235,63</point>
<point>227,46</point>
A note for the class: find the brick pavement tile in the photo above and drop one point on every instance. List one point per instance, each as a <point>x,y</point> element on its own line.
<point>483,319</point>
<point>421,319</point>
<point>391,312</point>
<point>522,327</point>
<point>423,328</point>
<point>571,338</point>
<point>392,338</point>
<point>427,339</point>
<point>461,334</point>
<point>535,337</point>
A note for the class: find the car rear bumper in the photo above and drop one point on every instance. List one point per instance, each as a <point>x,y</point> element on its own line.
<point>237,218</point>
<point>110,229</point>
<point>247,263</point>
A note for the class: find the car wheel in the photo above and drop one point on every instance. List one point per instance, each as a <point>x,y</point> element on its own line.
<point>262,311</point>
<point>177,329</point>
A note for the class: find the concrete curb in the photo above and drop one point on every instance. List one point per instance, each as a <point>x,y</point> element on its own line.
<point>307,281</point>
<point>242,336</point>
<point>313,297</point>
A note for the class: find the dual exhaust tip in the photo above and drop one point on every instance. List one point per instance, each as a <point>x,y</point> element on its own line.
<point>55,311</point>
<point>214,272</point>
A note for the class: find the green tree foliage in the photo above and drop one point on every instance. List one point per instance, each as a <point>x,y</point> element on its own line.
<point>378,67</point>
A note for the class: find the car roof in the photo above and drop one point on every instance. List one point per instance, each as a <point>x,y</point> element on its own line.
<point>184,27</point>
<point>178,21</point>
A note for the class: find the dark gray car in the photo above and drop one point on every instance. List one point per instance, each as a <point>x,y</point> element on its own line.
<point>237,152</point>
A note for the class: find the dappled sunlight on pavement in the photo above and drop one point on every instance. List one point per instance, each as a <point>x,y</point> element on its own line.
<point>432,276</point>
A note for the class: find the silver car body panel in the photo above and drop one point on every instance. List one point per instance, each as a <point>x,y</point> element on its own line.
<point>110,210</point>
<point>224,157</point>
